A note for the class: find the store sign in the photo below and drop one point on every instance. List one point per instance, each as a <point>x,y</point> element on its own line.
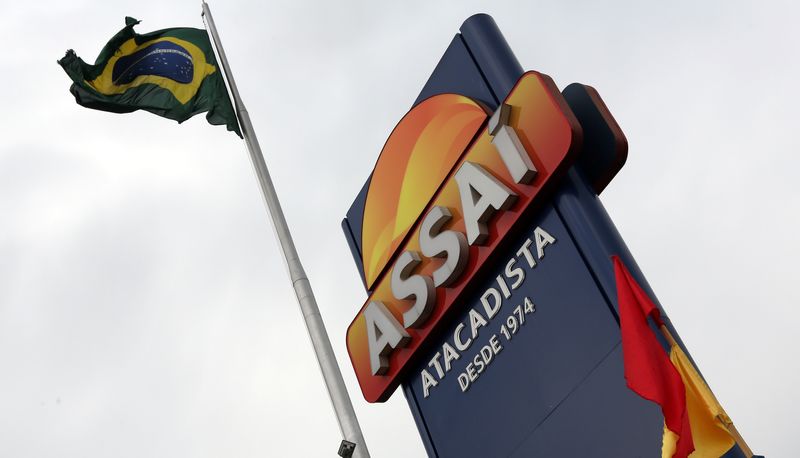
<point>486,257</point>
<point>452,181</point>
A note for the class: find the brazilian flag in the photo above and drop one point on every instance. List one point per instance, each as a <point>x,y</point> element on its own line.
<point>170,72</point>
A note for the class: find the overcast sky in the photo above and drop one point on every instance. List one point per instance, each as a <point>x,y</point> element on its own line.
<point>144,307</point>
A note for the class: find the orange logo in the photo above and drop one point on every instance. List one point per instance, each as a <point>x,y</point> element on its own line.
<point>415,161</point>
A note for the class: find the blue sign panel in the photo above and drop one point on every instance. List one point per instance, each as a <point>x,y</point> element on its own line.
<point>529,360</point>
<point>553,339</point>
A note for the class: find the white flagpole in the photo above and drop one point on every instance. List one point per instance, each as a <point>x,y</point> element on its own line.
<point>348,423</point>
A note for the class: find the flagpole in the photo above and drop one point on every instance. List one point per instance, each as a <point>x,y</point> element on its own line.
<point>343,407</point>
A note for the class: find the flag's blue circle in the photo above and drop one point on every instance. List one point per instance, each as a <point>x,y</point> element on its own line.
<point>164,58</point>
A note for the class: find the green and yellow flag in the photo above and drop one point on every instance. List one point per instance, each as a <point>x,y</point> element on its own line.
<point>170,72</point>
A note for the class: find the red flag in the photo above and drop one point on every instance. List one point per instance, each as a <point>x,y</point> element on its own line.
<point>648,370</point>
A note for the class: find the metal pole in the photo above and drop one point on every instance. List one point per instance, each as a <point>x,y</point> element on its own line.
<point>348,423</point>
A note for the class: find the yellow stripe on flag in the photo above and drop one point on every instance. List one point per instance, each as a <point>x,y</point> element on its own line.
<point>706,415</point>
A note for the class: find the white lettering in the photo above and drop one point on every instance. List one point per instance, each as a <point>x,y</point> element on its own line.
<point>428,382</point>
<point>463,382</point>
<point>491,310</point>
<point>405,286</point>
<point>501,282</point>
<point>450,354</point>
<point>513,154</point>
<point>476,321</point>
<point>481,196</point>
<point>451,245</point>
<point>384,334</point>
<point>436,364</point>
<point>515,272</point>
<point>495,343</point>
<point>460,344</point>
<point>542,240</point>
<point>528,255</point>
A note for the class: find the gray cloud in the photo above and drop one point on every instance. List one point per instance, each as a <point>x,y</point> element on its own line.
<point>144,308</point>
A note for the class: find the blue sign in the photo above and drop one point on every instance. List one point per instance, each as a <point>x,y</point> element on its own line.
<point>529,362</point>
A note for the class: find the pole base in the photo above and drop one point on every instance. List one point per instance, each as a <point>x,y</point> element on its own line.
<point>346,449</point>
